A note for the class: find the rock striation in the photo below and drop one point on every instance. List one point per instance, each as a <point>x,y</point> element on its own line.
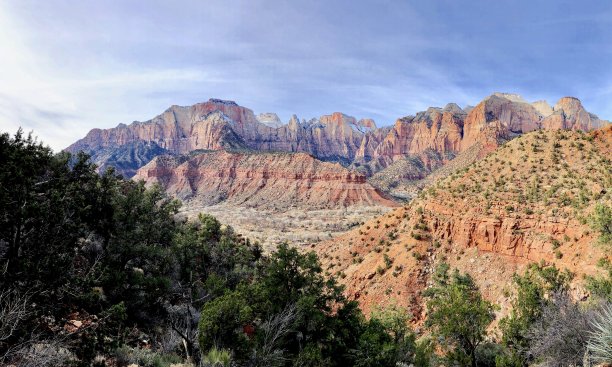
<point>262,180</point>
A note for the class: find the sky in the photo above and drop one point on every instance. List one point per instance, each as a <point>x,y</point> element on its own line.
<point>69,66</point>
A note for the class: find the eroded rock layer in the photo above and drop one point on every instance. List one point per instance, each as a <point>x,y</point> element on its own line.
<point>264,180</point>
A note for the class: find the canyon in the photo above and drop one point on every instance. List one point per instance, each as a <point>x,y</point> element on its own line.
<point>262,180</point>
<point>334,171</point>
<point>268,197</point>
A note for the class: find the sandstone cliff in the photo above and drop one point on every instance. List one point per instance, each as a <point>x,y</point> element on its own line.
<point>529,201</point>
<point>218,124</point>
<point>263,180</point>
<point>404,158</point>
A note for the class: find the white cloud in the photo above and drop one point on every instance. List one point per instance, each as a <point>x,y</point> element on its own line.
<point>61,109</point>
<point>68,66</point>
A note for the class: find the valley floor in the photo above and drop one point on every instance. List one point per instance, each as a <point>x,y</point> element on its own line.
<point>297,226</point>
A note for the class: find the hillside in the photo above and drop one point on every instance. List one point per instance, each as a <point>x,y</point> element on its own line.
<point>529,201</point>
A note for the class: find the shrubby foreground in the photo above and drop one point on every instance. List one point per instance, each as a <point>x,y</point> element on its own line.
<point>96,270</point>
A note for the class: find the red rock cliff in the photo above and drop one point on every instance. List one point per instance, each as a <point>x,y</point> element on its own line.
<point>261,180</point>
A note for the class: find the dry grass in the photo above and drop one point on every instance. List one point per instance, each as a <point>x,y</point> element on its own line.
<point>296,226</point>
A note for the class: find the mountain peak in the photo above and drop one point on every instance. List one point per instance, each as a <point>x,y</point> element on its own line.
<point>453,108</point>
<point>511,96</point>
<point>223,102</point>
<point>269,119</point>
<point>568,103</point>
<point>543,108</point>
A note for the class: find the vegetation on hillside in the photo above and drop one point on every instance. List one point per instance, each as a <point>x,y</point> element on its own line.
<point>97,271</point>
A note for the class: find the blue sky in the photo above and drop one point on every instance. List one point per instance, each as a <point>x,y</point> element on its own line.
<point>69,66</point>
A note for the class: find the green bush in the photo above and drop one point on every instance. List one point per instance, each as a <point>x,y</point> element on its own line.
<point>458,315</point>
<point>222,321</point>
<point>217,358</point>
<point>601,221</point>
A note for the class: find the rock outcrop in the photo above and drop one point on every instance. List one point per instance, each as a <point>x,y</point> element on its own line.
<point>263,180</point>
<point>569,113</point>
<point>436,129</point>
<point>219,124</point>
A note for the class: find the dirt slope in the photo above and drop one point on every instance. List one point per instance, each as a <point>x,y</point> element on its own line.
<point>529,201</point>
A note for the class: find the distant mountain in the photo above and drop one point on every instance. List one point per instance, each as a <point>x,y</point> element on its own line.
<point>128,157</point>
<point>219,124</point>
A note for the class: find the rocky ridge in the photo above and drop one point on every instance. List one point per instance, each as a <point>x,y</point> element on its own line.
<point>261,180</point>
<point>529,201</point>
<point>218,125</point>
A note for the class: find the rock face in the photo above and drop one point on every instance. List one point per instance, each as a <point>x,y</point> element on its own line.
<point>279,180</point>
<point>526,202</point>
<point>436,129</point>
<point>568,113</point>
<point>127,158</point>
<point>270,119</point>
<point>410,168</point>
<point>543,108</point>
<point>219,124</point>
<point>211,125</point>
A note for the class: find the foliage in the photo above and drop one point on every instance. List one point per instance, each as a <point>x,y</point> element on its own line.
<point>601,286</point>
<point>600,341</point>
<point>387,339</point>
<point>96,266</point>
<point>222,321</point>
<point>560,335</point>
<point>144,357</point>
<point>601,221</point>
<point>532,289</point>
<point>217,358</point>
<point>458,315</point>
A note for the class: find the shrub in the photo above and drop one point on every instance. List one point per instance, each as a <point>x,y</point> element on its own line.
<point>601,221</point>
<point>559,336</point>
<point>144,357</point>
<point>533,290</point>
<point>600,340</point>
<point>555,244</point>
<point>222,321</point>
<point>458,315</point>
<point>217,358</point>
<point>388,261</point>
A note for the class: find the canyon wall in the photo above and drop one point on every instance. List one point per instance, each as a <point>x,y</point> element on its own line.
<point>262,180</point>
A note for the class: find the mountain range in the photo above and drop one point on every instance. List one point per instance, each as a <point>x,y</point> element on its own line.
<point>433,137</point>
<point>487,189</point>
<point>530,201</point>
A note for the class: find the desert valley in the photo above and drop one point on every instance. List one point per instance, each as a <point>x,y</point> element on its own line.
<point>305,184</point>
